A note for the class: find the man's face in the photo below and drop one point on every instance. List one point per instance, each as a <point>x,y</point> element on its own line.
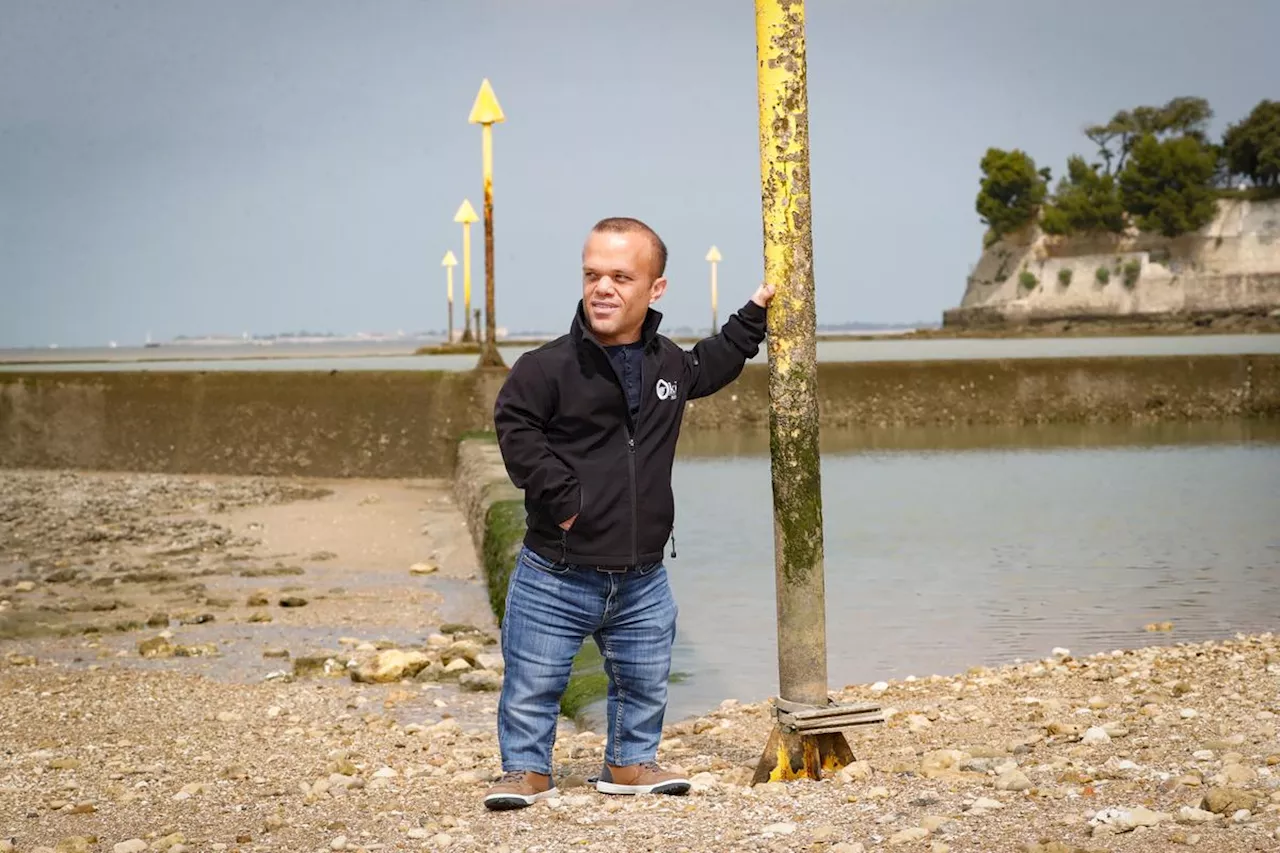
<point>618,284</point>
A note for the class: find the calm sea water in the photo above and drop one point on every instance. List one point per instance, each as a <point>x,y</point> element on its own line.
<point>949,548</point>
<point>369,356</point>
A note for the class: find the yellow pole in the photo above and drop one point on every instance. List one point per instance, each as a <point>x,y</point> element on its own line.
<point>714,257</point>
<point>466,278</point>
<point>486,112</point>
<point>466,215</point>
<point>793,410</point>
<point>489,356</point>
<point>714,325</point>
<point>449,263</point>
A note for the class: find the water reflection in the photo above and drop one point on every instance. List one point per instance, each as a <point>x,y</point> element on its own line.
<point>735,443</point>
<point>936,560</point>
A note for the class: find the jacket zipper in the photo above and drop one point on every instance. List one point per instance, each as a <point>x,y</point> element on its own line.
<point>631,470</point>
<point>564,533</point>
<point>631,455</point>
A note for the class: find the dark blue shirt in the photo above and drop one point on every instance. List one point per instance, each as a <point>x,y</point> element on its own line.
<point>627,361</point>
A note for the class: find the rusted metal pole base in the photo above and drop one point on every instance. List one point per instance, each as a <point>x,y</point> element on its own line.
<point>489,355</point>
<point>789,756</point>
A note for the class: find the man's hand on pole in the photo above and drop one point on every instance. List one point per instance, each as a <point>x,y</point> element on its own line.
<point>763,295</point>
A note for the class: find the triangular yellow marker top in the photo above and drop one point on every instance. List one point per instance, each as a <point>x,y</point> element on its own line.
<point>714,254</point>
<point>486,110</point>
<point>466,213</point>
<point>449,260</point>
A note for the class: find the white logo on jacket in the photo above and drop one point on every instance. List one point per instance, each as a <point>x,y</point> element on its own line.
<point>666,390</point>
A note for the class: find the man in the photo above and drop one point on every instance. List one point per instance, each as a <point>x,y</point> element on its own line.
<point>588,425</point>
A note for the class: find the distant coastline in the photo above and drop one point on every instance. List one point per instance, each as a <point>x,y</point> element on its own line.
<point>373,344</point>
<point>1058,328</point>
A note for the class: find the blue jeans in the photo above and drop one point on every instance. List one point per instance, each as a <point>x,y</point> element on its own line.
<point>551,610</point>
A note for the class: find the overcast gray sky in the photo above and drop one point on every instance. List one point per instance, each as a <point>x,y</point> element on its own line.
<point>214,167</point>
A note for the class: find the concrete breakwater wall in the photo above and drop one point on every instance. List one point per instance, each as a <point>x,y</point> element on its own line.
<point>1008,392</point>
<point>406,423</point>
<point>352,424</point>
<point>494,511</point>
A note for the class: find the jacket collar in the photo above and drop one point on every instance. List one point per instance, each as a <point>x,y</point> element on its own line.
<point>580,329</point>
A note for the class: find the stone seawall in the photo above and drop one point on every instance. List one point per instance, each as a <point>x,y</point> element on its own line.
<point>494,510</point>
<point>406,423</point>
<point>329,424</point>
<point>1011,392</point>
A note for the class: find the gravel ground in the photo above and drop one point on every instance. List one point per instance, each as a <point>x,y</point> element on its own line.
<point>1109,753</point>
<point>1157,749</point>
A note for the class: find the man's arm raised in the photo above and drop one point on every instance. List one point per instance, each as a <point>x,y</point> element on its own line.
<point>716,361</point>
<point>520,416</point>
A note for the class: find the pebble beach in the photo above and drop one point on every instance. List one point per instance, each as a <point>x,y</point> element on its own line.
<point>254,664</point>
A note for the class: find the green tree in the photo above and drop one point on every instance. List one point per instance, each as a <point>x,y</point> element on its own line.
<point>1011,193</point>
<point>1085,201</point>
<point>1182,116</point>
<point>1167,186</point>
<point>1252,145</point>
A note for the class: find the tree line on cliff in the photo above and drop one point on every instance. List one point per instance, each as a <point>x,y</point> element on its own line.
<point>1156,169</point>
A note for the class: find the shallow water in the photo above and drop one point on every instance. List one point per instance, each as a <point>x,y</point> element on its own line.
<point>399,357</point>
<point>950,548</point>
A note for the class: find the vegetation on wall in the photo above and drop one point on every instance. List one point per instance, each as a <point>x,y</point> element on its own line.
<point>1156,170</point>
<point>1132,270</point>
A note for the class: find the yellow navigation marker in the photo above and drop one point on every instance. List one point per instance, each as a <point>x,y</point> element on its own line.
<point>466,215</point>
<point>486,109</point>
<point>449,263</point>
<point>487,112</point>
<point>714,257</point>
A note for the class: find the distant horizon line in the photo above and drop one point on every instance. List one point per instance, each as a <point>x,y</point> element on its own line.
<point>423,334</point>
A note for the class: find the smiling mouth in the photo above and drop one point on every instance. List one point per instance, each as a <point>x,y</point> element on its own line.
<point>603,307</point>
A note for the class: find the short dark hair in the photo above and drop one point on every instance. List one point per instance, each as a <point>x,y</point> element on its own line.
<point>625,225</point>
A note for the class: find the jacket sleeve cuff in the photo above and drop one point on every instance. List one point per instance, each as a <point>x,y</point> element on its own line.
<point>752,311</point>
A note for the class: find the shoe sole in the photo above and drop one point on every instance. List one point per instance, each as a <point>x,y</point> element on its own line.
<point>508,802</point>
<point>673,787</point>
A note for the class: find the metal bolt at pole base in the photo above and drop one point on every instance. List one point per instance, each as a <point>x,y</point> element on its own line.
<point>796,749</point>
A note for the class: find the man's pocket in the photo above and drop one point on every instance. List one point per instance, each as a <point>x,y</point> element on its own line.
<point>536,561</point>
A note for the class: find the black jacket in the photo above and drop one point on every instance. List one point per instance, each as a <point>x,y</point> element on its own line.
<point>568,439</point>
